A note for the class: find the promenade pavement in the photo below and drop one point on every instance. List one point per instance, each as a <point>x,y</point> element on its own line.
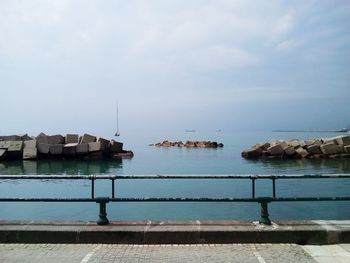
<point>213,253</point>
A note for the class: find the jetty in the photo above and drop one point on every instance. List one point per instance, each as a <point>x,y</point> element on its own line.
<point>189,144</point>
<point>70,146</point>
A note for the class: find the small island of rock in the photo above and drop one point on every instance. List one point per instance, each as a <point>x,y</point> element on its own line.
<point>189,144</point>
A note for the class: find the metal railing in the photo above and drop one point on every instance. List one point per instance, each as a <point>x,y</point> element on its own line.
<point>102,201</point>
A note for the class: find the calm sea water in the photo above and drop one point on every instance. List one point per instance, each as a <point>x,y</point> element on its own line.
<point>153,160</point>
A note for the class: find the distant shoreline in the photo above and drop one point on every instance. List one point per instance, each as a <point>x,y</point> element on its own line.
<point>325,131</point>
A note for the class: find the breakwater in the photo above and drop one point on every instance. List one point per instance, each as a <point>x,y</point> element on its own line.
<point>335,147</point>
<point>189,144</point>
<point>70,146</point>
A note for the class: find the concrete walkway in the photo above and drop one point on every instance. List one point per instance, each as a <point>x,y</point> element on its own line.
<point>212,253</point>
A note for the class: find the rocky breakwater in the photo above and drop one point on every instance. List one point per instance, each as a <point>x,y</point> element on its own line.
<point>336,147</point>
<point>189,144</point>
<point>57,146</point>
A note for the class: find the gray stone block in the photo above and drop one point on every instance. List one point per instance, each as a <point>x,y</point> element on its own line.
<point>104,144</point>
<point>56,139</point>
<point>30,150</point>
<point>82,148</point>
<point>331,148</point>
<point>115,147</point>
<point>70,149</point>
<point>15,147</point>
<point>4,144</point>
<point>87,138</point>
<point>72,138</point>
<point>314,149</point>
<point>43,148</point>
<point>56,149</point>
<point>95,146</point>
<point>289,150</point>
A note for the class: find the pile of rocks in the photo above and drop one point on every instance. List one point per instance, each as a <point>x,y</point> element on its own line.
<point>58,146</point>
<point>314,148</point>
<point>189,144</point>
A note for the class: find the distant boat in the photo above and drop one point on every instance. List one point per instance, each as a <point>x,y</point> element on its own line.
<point>117,132</point>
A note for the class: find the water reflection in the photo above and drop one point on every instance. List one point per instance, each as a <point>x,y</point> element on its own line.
<point>71,167</point>
<point>313,166</point>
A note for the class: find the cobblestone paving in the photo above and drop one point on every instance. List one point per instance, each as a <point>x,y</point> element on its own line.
<point>93,253</point>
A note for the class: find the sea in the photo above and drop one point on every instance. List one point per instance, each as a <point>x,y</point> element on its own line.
<point>150,160</point>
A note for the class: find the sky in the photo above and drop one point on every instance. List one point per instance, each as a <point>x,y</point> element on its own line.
<point>173,65</point>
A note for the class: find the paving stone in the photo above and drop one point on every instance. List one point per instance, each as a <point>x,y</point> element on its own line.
<point>72,138</point>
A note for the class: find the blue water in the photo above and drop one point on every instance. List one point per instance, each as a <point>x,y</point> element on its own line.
<point>154,160</point>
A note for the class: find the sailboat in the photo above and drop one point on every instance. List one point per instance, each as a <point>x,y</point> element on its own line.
<point>117,132</point>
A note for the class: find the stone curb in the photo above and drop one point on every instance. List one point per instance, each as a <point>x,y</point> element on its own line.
<point>175,232</point>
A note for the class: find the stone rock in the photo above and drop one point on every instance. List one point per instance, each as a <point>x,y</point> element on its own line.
<point>190,144</point>
<point>56,139</point>
<point>82,148</point>
<point>87,138</point>
<point>342,140</point>
<point>314,149</point>
<point>56,149</point>
<point>25,137</point>
<point>30,150</point>
<point>301,152</point>
<point>294,143</point>
<point>253,153</point>
<point>289,150</point>
<point>275,150</point>
<point>43,148</point>
<point>4,144</point>
<point>347,149</point>
<point>331,148</point>
<point>72,138</point>
<point>104,143</point>
<point>220,145</point>
<point>122,155</point>
<point>115,147</point>
<point>201,144</point>
<point>69,149</point>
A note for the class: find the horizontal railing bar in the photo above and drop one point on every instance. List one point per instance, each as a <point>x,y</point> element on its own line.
<point>131,177</point>
<point>162,199</point>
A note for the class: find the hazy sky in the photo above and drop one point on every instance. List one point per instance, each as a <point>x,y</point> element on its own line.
<point>173,65</point>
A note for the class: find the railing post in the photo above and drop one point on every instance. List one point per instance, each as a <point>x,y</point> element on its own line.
<point>264,214</point>
<point>102,217</point>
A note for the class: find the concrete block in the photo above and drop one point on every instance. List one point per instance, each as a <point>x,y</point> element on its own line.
<point>56,149</point>
<point>314,149</point>
<point>95,146</point>
<point>4,144</point>
<point>87,138</point>
<point>2,153</point>
<point>42,138</point>
<point>11,138</point>
<point>43,148</point>
<point>70,149</point>
<point>115,147</point>
<point>56,139</point>
<point>347,149</point>
<point>104,143</point>
<point>275,150</point>
<point>82,148</point>
<point>342,140</point>
<point>30,150</point>
<point>72,138</point>
<point>15,149</point>
<point>331,148</point>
